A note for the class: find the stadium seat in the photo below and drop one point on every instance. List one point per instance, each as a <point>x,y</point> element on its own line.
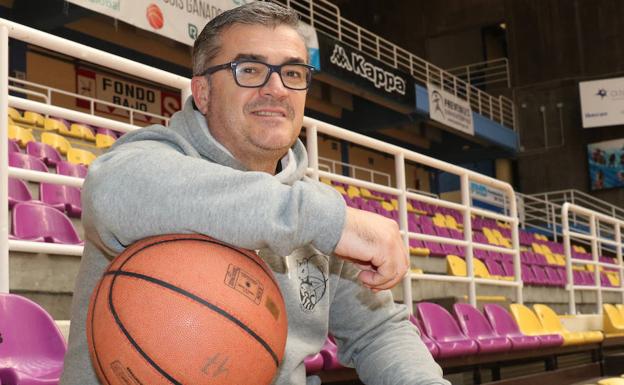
<point>70,169</point>
<point>440,326</point>
<point>620,308</point>
<point>431,346</point>
<point>32,348</point>
<point>105,141</point>
<point>552,324</point>
<point>56,125</point>
<point>13,147</point>
<point>18,192</point>
<point>313,363</point>
<point>17,159</point>
<point>81,131</point>
<point>41,223</point>
<point>476,326</point>
<point>61,197</point>
<point>14,114</point>
<point>456,266</point>
<point>329,351</point>
<point>21,135</point>
<point>530,325</point>
<point>33,118</point>
<point>61,144</point>
<point>79,156</point>
<point>365,193</point>
<point>504,325</point>
<point>613,321</point>
<point>45,152</point>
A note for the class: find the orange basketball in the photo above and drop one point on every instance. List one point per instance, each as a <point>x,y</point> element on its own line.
<point>186,309</point>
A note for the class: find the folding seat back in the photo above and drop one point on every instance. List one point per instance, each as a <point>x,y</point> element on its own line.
<point>476,326</point>
<point>480,270</point>
<point>32,347</point>
<point>55,125</point>
<point>70,169</point>
<point>61,144</point>
<point>33,118</point>
<point>440,326</point>
<point>620,308</point>
<point>104,141</point>
<point>613,321</point>
<point>13,146</point>
<point>17,159</point>
<point>18,192</point>
<point>45,152</point>
<point>80,156</point>
<point>530,325</point>
<point>313,363</point>
<point>41,223</point>
<point>551,322</point>
<point>61,197</point>
<point>329,351</point>
<point>14,114</point>
<point>456,266</point>
<point>85,131</point>
<point>20,134</point>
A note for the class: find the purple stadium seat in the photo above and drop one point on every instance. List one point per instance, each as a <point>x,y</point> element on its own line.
<point>13,147</point>
<point>542,278</point>
<point>41,223</point>
<point>440,326</point>
<point>70,169</point>
<point>17,159</point>
<point>435,249</point>
<point>44,152</point>
<point>504,325</point>
<point>495,268</point>
<point>431,346</point>
<point>33,348</point>
<point>18,192</point>
<point>554,277</point>
<point>313,363</point>
<point>61,197</point>
<point>475,326</point>
<point>528,276</point>
<point>479,238</point>
<point>330,355</point>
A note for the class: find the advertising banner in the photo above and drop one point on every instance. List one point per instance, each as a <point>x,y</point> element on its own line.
<point>606,164</point>
<point>179,20</point>
<point>361,70</point>
<point>602,102</point>
<point>125,92</point>
<point>450,110</point>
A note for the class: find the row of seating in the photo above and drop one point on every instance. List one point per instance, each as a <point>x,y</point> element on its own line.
<point>37,222</point>
<point>50,149</point>
<point>38,163</point>
<point>63,198</point>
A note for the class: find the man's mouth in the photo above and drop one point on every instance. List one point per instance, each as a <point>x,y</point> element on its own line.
<point>266,113</point>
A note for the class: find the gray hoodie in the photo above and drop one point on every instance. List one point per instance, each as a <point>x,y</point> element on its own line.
<point>180,180</point>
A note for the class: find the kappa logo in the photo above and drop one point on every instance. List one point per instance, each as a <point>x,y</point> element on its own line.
<point>357,64</point>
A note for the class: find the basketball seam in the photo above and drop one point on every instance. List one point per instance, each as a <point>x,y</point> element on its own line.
<point>202,301</point>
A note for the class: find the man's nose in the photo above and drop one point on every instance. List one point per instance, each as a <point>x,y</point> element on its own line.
<point>274,86</point>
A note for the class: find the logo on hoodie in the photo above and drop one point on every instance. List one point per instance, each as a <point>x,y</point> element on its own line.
<point>312,281</point>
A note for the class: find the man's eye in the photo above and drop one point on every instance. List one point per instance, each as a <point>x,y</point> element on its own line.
<point>294,74</point>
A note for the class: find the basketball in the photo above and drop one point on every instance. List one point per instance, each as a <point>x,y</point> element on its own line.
<point>186,309</point>
<point>154,16</point>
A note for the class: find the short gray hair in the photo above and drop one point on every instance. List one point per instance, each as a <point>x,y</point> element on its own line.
<point>269,14</point>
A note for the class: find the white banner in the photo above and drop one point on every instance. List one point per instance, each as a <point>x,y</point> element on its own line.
<point>179,20</point>
<point>602,102</point>
<point>450,110</point>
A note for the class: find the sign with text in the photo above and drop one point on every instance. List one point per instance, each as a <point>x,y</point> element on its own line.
<point>450,110</point>
<point>606,164</point>
<point>125,92</point>
<point>355,67</point>
<point>602,102</point>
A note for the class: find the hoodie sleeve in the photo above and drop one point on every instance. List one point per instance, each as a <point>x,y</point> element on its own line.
<point>149,187</point>
<point>376,337</point>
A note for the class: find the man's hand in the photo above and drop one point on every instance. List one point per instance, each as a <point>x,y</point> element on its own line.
<point>373,243</point>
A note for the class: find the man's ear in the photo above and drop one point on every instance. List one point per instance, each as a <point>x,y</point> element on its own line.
<point>199,88</point>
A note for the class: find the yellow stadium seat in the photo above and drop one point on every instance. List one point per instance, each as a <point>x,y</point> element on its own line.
<point>326,181</point>
<point>527,320</point>
<point>352,191</point>
<point>20,134</point>
<point>620,308</point>
<point>81,131</point>
<point>387,206</point>
<point>417,271</point>
<point>14,114</point>
<point>614,278</point>
<point>552,324</point>
<point>105,141</point>
<point>365,193</point>
<point>57,141</point>
<point>79,156</point>
<point>419,251</point>
<point>395,204</point>
<point>411,209</point>
<point>480,270</point>
<point>33,118</point>
<point>340,189</point>
<point>560,259</point>
<point>55,125</point>
<point>87,133</point>
<point>439,220</point>
<point>490,237</point>
<point>613,321</point>
<point>551,259</point>
<point>455,266</point>
<point>611,381</point>
<point>452,223</point>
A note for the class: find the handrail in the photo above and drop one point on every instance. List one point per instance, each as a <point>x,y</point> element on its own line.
<point>484,73</point>
<point>595,239</point>
<point>353,169</point>
<point>313,128</point>
<point>499,109</point>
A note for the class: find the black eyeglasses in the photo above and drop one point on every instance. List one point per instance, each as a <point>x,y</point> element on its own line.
<point>254,74</point>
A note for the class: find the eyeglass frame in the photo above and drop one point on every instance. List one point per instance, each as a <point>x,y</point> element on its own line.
<point>272,68</point>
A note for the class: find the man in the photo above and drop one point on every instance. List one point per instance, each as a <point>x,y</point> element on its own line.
<point>230,166</point>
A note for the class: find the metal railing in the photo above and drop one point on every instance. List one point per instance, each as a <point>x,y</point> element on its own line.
<point>313,127</point>
<point>484,73</point>
<point>336,167</point>
<point>326,18</point>
<point>47,93</point>
<point>596,240</point>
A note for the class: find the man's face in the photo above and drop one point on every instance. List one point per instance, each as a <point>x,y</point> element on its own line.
<point>256,123</point>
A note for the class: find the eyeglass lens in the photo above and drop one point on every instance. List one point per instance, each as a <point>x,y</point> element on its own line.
<point>254,74</point>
